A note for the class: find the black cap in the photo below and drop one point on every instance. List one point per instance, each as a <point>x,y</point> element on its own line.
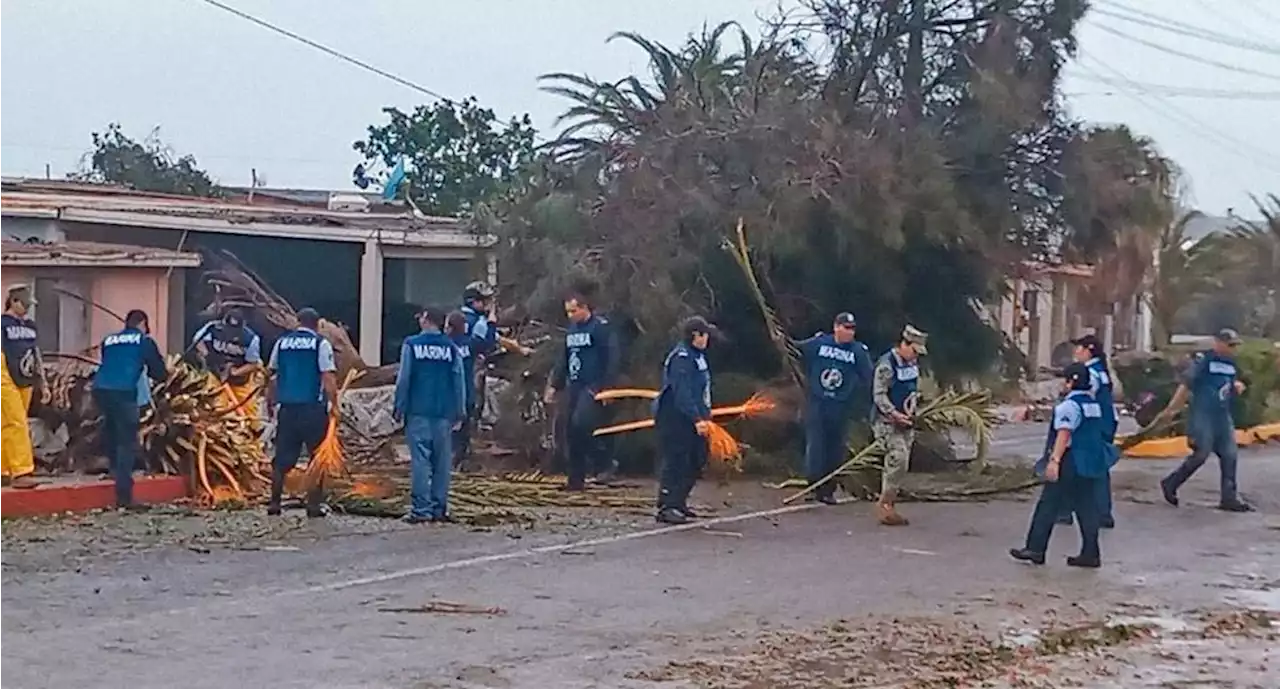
<point>1228,336</point>
<point>434,315</point>
<point>697,324</point>
<point>1089,342</point>
<point>233,317</point>
<point>1078,375</point>
<point>846,318</point>
<point>308,317</point>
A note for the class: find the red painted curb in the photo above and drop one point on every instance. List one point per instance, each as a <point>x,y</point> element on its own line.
<point>82,497</point>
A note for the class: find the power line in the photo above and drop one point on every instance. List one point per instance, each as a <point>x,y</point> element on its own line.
<point>1188,56</point>
<point>1183,91</point>
<point>325,49</point>
<point>1200,96</point>
<point>1193,32</point>
<point>1197,126</point>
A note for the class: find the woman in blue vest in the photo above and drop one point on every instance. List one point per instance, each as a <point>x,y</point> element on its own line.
<point>1078,456</point>
<point>125,355</point>
<point>1212,383</point>
<point>1090,352</point>
<point>683,412</point>
<point>301,395</point>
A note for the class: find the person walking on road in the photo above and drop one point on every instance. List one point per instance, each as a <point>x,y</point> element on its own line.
<point>431,399</point>
<point>1090,352</point>
<point>1079,455</point>
<point>302,394</point>
<point>21,369</point>
<point>682,413</point>
<point>895,385</point>
<point>125,355</point>
<point>591,361</point>
<point>838,369</point>
<point>1212,383</point>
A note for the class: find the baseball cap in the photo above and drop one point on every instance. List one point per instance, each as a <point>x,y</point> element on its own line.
<point>845,318</point>
<point>23,292</point>
<point>917,338</point>
<point>1229,336</point>
<point>1089,342</point>
<point>1078,376</point>
<point>698,324</point>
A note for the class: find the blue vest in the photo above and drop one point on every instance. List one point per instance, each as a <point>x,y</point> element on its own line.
<point>1105,395</point>
<point>481,342</point>
<point>298,375</point>
<point>1213,386</point>
<point>20,350</point>
<point>906,381</point>
<point>431,377</point>
<point>692,393</point>
<point>586,358</point>
<point>122,361</point>
<point>464,342</point>
<point>1091,452</point>
<point>833,369</point>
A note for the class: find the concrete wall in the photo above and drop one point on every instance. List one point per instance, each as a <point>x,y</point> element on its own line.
<point>68,324</point>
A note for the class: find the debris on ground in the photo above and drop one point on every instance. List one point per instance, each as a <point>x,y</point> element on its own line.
<point>444,607</point>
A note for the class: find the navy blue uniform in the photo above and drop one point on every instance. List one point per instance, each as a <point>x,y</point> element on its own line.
<point>20,354</point>
<point>125,355</point>
<point>838,377</point>
<point>1103,392</point>
<point>1088,458</point>
<point>1210,426</point>
<point>431,397</point>
<point>300,359</point>
<point>478,341</point>
<point>684,400</point>
<point>591,361</point>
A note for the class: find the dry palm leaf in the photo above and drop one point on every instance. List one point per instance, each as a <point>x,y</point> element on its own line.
<point>326,461</point>
<point>723,447</point>
<point>787,349</point>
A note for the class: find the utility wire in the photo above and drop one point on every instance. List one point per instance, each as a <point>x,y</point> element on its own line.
<point>1201,34</point>
<point>1182,91</point>
<point>1193,124</point>
<point>1188,56</point>
<point>325,49</point>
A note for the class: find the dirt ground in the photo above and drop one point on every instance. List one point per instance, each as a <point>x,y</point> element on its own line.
<point>758,596</point>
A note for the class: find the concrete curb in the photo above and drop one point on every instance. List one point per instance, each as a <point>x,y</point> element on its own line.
<point>82,497</point>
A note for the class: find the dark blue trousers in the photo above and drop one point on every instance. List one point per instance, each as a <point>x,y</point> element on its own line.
<point>1216,436</point>
<point>120,437</point>
<point>825,447</point>
<point>298,427</point>
<point>1102,496</point>
<point>1074,494</point>
<point>684,453</point>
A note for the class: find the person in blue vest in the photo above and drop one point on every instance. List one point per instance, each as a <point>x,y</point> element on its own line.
<point>431,399</point>
<point>1089,351</point>
<point>125,355</point>
<point>590,364</point>
<point>1213,383</point>
<point>838,369</point>
<point>301,395</point>
<point>477,341</point>
<point>894,392</point>
<point>1079,454</point>
<point>682,413</point>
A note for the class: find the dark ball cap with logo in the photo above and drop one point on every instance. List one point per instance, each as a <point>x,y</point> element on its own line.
<point>845,318</point>
<point>1089,342</point>
<point>1077,375</point>
<point>1228,336</point>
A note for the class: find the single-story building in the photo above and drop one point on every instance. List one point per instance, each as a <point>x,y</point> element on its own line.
<point>359,264</point>
<point>69,277</point>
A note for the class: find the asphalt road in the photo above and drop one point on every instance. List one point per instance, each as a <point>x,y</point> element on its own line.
<point>613,606</point>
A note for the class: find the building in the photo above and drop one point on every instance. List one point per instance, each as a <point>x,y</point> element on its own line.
<point>70,277</point>
<point>367,269</point>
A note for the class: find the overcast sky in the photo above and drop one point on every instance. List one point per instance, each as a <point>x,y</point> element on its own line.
<point>239,97</point>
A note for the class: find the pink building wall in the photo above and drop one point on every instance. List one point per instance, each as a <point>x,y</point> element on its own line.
<point>118,289</point>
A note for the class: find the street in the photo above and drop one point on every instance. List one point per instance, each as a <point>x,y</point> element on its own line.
<point>757,597</point>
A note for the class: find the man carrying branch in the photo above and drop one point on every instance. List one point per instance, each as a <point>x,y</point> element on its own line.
<point>895,385</point>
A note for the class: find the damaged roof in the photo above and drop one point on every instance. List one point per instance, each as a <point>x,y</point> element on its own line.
<point>92,254</point>
<point>114,204</point>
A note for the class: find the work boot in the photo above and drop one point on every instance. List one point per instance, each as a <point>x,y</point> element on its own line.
<point>1236,505</point>
<point>1082,561</point>
<point>273,509</point>
<point>1027,555</point>
<point>25,482</point>
<point>688,512</point>
<point>671,515</point>
<point>889,516</point>
<point>415,519</point>
<point>828,499</point>
<point>443,519</point>
<point>1169,492</point>
<point>1107,523</point>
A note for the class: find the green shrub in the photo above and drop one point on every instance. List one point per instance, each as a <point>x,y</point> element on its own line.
<point>1259,364</point>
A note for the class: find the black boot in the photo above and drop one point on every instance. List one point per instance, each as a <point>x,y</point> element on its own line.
<point>671,515</point>
<point>315,502</point>
<point>1025,555</point>
<point>277,491</point>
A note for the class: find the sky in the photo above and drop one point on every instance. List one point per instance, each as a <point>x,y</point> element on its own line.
<point>240,97</point>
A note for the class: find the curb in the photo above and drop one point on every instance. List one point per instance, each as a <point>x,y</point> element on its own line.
<point>83,497</point>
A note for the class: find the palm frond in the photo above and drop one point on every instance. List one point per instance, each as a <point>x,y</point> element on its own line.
<point>787,349</point>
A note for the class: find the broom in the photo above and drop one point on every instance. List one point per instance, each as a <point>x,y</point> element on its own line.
<point>326,460</point>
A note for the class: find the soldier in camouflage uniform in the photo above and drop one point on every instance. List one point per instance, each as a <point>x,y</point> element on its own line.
<point>894,391</point>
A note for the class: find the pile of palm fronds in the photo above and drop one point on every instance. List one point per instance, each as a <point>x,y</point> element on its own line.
<point>478,498</point>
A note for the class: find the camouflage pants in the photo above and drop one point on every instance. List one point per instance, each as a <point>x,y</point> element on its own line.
<point>897,443</point>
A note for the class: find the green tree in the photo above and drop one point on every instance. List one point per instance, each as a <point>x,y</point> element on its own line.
<point>147,165</point>
<point>1255,246</point>
<point>457,154</point>
<point>1186,271</point>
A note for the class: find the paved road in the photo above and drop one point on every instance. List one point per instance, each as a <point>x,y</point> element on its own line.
<point>584,611</point>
